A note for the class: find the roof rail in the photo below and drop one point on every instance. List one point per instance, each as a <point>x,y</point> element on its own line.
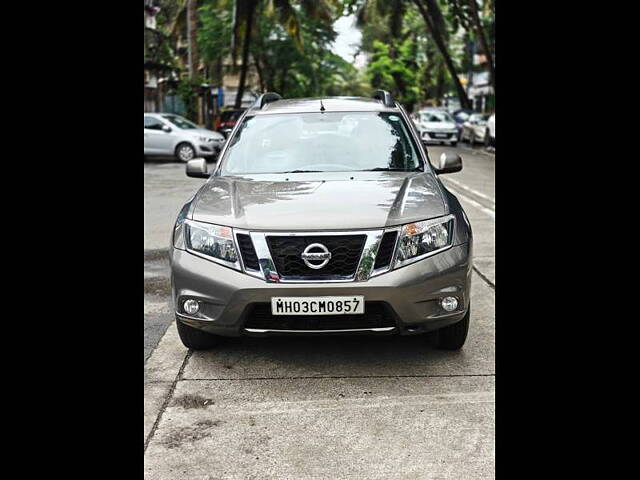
<point>385,97</point>
<point>266,98</point>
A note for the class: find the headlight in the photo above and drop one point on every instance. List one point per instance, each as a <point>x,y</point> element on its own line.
<point>422,239</point>
<point>212,241</point>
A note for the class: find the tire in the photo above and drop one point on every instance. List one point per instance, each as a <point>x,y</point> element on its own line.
<point>185,152</point>
<point>454,336</point>
<point>487,139</point>
<point>196,339</point>
<point>453,144</point>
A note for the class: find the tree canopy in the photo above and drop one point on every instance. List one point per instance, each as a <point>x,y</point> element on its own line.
<point>420,50</point>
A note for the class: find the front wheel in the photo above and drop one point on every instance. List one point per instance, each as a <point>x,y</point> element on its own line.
<point>196,339</point>
<point>487,139</point>
<point>185,152</point>
<point>453,144</point>
<point>454,336</point>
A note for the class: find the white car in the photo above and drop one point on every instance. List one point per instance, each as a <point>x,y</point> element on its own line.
<point>474,130</point>
<point>436,126</point>
<point>167,134</point>
<point>490,136</point>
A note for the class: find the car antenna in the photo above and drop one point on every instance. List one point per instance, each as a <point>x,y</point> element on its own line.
<point>322,109</point>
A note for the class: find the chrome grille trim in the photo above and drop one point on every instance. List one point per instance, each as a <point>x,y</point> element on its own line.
<point>346,330</point>
<point>269,273</point>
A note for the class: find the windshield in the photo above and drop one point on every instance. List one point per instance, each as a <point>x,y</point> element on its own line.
<point>180,122</point>
<point>321,142</point>
<point>435,117</point>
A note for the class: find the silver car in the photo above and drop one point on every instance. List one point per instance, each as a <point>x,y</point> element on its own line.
<point>474,130</point>
<point>436,125</point>
<point>322,216</point>
<point>167,134</point>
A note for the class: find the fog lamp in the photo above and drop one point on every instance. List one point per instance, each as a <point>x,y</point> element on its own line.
<point>191,306</point>
<point>449,303</point>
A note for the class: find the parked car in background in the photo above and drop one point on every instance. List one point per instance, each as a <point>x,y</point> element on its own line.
<point>436,126</point>
<point>490,136</point>
<point>461,115</point>
<point>474,129</point>
<point>228,120</point>
<point>167,134</point>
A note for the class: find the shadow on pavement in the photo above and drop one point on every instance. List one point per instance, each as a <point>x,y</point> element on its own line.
<point>369,356</point>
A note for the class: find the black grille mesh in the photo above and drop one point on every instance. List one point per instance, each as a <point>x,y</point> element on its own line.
<point>247,251</point>
<point>376,315</point>
<point>385,252</point>
<point>345,254</point>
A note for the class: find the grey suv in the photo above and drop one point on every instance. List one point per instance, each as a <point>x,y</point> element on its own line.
<point>323,216</point>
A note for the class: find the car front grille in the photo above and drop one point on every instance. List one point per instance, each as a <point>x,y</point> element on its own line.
<point>440,135</point>
<point>345,251</point>
<point>376,315</point>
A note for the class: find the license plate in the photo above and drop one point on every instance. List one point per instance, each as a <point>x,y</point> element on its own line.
<point>317,305</point>
<point>440,135</point>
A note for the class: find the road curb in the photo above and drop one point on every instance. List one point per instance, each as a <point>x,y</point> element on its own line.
<point>161,373</point>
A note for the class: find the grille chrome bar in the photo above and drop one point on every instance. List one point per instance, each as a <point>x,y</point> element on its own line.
<point>344,330</point>
<point>270,274</point>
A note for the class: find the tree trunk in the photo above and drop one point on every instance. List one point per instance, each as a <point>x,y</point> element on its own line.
<point>435,22</point>
<point>246,45</point>
<point>192,19</point>
<point>440,84</point>
<point>475,17</point>
<point>217,72</point>
<point>256,61</point>
<point>283,82</point>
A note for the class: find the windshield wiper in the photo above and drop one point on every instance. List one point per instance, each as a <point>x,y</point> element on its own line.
<point>389,169</point>
<point>303,171</point>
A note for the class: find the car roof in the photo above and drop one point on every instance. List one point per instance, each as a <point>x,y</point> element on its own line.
<point>331,104</point>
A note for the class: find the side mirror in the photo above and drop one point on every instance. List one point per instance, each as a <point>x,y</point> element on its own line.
<point>197,168</point>
<point>166,128</point>
<point>449,163</point>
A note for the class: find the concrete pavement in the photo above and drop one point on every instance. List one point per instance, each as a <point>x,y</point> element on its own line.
<point>338,407</point>
<point>166,189</point>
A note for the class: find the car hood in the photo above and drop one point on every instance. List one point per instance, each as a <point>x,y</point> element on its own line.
<point>439,125</point>
<point>319,201</point>
<point>203,132</point>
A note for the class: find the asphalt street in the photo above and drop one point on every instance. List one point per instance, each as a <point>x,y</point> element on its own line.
<point>356,407</point>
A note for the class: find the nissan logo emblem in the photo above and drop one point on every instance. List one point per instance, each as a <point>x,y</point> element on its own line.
<point>316,252</point>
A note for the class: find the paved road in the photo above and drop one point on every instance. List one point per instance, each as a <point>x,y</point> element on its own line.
<point>356,407</point>
<point>166,189</point>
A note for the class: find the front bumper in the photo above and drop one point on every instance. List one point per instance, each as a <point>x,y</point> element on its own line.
<point>438,137</point>
<point>208,149</point>
<point>411,293</point>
